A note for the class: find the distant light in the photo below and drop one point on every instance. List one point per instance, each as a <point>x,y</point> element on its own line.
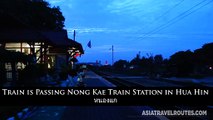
<point>76,55</point>
<point>131,67</point>
<point>210,68</point>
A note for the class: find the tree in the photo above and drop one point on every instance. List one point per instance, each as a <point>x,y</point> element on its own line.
<point>136,60</point>
<point>158,64</point>
<point>158,59</point>
<point>121,64</point>
<point>205,54</point>
<point>33,13</point>
<point>204,58</point>
<point>183,62</point>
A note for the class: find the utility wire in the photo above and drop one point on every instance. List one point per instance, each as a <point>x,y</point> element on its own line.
<point>182,17</point>
<point>166,12</point>
<point>178,18</point>
<point>169,10</point>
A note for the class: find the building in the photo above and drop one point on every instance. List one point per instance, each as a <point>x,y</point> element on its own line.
<point>22,45</point>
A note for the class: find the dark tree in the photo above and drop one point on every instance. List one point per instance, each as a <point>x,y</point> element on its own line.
<point>136,60</point>
<point>158,59</point>
<point>183,62</point>
<point>32,13</point>
<point>158,64</point>
<point>121,64</point>
<point>205,54</point>
<point>204,58</point>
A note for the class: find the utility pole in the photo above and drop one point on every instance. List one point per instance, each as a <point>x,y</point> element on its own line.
<point>74,35</point>
<point>112,54</point>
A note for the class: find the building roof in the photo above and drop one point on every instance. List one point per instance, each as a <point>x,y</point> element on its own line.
<point>78,45</point>
<point>60,39</point>
<point>53,38</point>
<point>21,35</point>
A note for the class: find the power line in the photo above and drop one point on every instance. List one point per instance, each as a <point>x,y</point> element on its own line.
<point>178,18</point>
<point>166,12</point>
<point>182,17</point>
<point>152,31</point>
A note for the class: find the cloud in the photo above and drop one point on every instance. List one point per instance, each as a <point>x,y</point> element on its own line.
<point>135,7</point>
<point>131,7</point>
<point>55,1</point>
<point>117,49</point>
<point>100,30</point>
<point>68,3</point>
<point>87,30</point>
<point>171,36</point>
<point>125,24</point>
<point>125,49</point>
<point>178,35</point>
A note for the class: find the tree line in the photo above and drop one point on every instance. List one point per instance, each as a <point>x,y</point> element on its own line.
<point>187,63</point>
<point>36,14</point>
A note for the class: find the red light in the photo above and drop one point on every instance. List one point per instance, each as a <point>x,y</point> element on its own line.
<point>76,55</point>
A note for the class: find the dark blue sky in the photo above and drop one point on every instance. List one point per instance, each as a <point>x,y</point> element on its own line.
<point>149,26</point>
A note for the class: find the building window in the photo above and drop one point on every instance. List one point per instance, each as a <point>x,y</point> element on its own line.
<point>8,68</point>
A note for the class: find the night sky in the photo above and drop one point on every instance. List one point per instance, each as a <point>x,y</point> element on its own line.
<point>133,26</point>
